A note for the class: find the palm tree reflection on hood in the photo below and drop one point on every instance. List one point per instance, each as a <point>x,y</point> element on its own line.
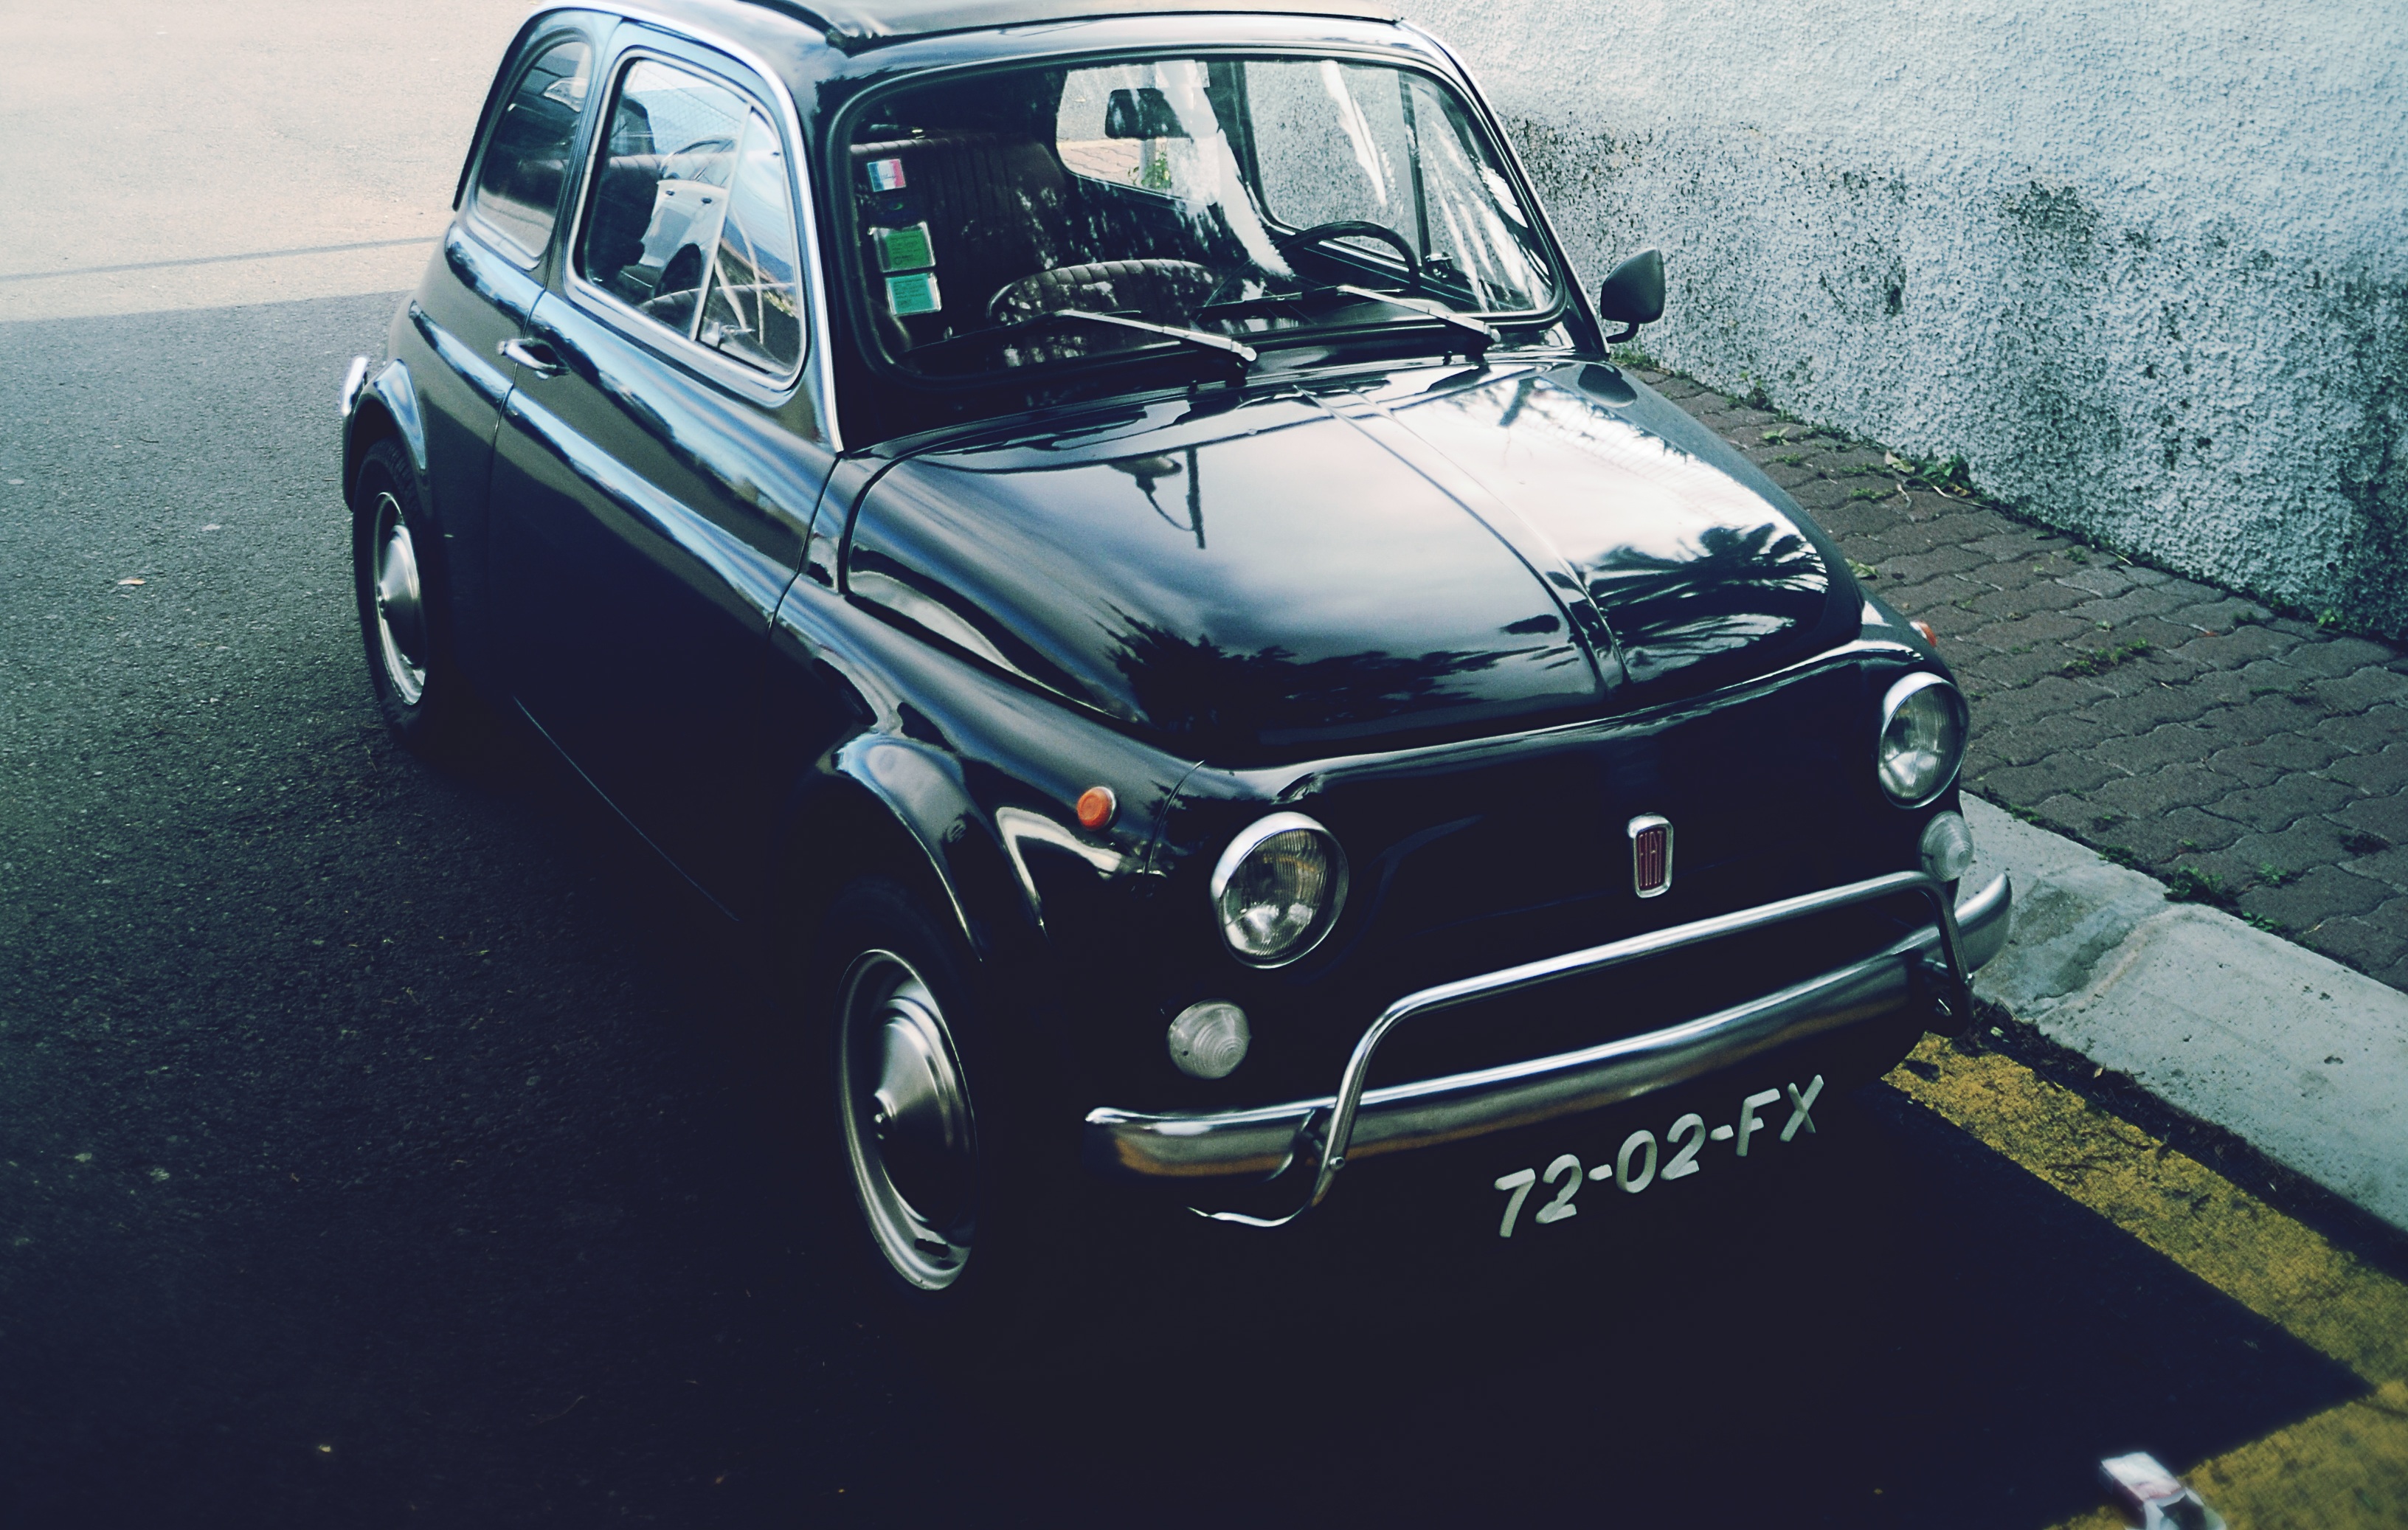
<point>1744,587</point>
<point>1194,689</point>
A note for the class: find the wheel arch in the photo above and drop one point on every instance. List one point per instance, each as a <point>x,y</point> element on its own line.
<point>880,802</point>
<point>387,406</point>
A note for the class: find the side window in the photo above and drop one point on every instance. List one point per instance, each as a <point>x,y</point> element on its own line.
<point>691,223</point>
<point>518,185</point>
<point>754,309</point>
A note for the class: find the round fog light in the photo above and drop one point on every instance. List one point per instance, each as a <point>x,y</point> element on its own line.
<point>1209,1041</point>
<point>1947,848</point>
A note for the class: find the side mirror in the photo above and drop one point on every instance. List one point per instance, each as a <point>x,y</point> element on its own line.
<point>1633,293</point>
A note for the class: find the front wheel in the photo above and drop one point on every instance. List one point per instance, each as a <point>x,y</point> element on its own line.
<point>972,1211</point>
<point>903,1105</point>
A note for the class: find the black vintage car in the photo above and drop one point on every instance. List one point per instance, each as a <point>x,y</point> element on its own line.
<point>1109,534</point>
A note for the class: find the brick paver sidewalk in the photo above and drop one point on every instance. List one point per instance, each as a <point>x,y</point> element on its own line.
<point>2247,760</point>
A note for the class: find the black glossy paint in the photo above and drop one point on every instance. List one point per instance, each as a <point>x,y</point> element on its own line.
<point>1473,616</point>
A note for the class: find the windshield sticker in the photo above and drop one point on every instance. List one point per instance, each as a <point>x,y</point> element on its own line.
<point>904,248</point>
<point>917,294</point>
<point>885,175</point>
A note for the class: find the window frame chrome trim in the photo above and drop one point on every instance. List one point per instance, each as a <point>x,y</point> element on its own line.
<point>538,43</point>
<point>815,372</point>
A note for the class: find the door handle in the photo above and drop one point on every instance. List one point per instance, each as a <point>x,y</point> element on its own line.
<point>535,356</point>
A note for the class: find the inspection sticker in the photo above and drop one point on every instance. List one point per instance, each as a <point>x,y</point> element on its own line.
<point>906,249</point>
<point>1634,1168</point>
<point>914,293</point>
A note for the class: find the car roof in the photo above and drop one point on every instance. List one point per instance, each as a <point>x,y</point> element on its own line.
<point>861,23</point>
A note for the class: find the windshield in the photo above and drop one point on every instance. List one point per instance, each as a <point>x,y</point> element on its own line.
<point>1268,200</point>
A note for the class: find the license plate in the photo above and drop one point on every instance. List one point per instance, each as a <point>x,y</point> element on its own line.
<point>1640,1164</point>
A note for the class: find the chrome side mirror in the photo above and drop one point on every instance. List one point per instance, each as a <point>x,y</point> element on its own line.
<point>1633,293</point>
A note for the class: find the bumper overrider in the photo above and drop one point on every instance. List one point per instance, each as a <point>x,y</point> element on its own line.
<point>1302,1143</point>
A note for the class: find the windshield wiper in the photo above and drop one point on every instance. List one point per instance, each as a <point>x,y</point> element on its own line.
<point>1478,335</point>
<point>1243,356</point>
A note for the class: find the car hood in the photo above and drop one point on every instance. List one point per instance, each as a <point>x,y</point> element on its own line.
<point>1286,577</point>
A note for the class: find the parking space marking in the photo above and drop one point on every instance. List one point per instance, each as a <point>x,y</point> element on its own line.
<point>2275,1267</point>
<point>2344,1467</point>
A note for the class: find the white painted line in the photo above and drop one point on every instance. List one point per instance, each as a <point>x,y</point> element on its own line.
<point>2298,1055</point>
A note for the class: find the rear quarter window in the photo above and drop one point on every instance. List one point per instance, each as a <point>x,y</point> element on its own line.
<point>525,162</point>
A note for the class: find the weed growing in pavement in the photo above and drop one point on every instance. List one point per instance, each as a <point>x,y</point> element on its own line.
<point>1863,571</point>
<point>1776,437</point>
<point>2272,926</point>
<point>1942,474</point>
<point>2097,661</point>
<point>2123,855</point>
<point>1873,493</point>
<point>2327,619</point>
<point>1792,459</point>
<point>2189,884</point>
<point>2106,821</point>
<point>2274,875</point>
<point>1631,355</point>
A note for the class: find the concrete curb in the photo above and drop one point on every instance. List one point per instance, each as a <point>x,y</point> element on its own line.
<point>2298,1055</point>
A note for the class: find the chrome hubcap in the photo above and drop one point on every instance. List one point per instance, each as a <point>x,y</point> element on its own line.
<point>401,614</point>
<point>907,1120</point>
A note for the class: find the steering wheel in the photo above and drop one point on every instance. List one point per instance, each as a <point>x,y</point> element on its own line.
<point>1357,228</point>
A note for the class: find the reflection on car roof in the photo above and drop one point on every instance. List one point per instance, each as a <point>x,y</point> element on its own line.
<point>860,23</point>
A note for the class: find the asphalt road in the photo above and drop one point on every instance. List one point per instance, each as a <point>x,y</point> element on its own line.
<point>377,1146</point>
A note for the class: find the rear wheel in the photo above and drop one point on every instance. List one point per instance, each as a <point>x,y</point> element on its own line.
<point>424,699</point>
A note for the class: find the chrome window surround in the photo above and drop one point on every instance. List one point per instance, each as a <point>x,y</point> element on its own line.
<point>1247,841</point>
<point>1921,681</point>
<point>538,45</point>
<point>1565,298</point>
<point>816,371</point>
<point>1304,1143</point>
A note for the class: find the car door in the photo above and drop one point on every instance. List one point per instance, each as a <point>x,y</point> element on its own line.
<point>483,284</point>
<point>657,473</point>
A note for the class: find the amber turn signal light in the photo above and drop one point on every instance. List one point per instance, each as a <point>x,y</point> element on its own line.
<point>1924,627</point>
<point>1096,806</point>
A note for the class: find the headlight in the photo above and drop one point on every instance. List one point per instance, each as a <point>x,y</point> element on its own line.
<point>1277,889</point>
<point>1922,738</point>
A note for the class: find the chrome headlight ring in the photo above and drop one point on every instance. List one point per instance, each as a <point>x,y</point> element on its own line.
<point>1277,889</point>
<point>1921,740</point>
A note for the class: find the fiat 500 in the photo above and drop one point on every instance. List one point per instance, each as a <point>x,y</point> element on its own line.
<point>1116,542</point>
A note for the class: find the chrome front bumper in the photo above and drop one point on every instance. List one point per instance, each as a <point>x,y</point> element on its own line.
<point>1290,1143</point>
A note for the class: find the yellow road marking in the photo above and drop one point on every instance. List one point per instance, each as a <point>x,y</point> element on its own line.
<point>2175,1204</point>
<point>2345,1468</point>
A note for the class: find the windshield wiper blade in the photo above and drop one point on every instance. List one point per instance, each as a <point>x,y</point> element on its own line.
<point>1481,335</point>
<point>1472,328</point>
<point>1243,355</point>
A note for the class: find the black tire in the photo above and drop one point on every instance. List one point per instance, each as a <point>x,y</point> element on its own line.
<point>1008,1217</point>
<point>404,616</point>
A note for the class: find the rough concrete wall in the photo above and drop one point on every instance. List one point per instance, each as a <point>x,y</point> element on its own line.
<point>2144,266</point>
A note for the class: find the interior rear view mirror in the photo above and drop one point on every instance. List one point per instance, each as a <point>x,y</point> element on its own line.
<point>1141,112</point>
<point>1633,294</point>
